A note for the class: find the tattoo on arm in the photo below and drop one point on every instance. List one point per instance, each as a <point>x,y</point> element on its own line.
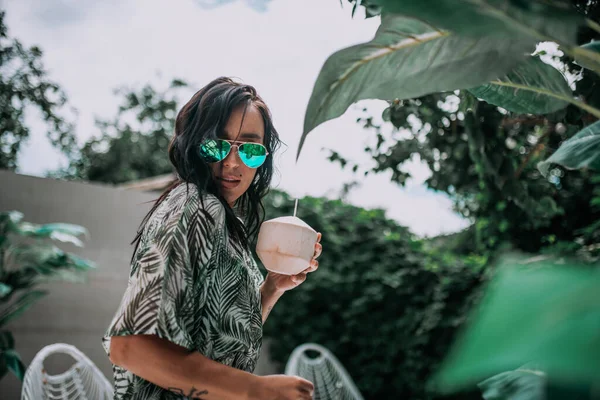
<point>194,393</point>
<point>268,311</point>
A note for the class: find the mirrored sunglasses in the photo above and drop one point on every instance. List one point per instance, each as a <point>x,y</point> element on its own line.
<point>253,155</point>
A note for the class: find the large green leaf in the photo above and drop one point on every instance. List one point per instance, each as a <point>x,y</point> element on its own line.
<point>530,20</point>
<point>580,151</point>
<point>533,87</point>
<point>588,56</point>
<point>21,305</point>
<point>407,59</point>
<point>547,314</point>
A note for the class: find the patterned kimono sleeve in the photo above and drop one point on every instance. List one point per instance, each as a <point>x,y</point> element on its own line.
<point>170,278</point>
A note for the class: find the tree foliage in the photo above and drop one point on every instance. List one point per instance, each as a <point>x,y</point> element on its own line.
<point>24,87</point>
<point>485,159</point>
<point>134,144</point>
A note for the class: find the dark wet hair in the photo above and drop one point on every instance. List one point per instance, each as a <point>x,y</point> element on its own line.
<point>205,116</point>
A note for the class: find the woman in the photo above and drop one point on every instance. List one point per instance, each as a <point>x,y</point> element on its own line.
<point>190,322</point>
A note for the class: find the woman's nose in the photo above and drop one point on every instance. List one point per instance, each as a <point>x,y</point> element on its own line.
<point>233,158</point>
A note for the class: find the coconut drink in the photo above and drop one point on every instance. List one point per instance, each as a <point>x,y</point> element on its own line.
<point>286,245</point>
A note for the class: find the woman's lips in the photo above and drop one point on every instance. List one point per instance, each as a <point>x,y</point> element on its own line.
<point>229,184</point>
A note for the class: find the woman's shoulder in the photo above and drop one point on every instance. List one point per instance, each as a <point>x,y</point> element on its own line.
<point>181,210</point>
<point>186,197</point>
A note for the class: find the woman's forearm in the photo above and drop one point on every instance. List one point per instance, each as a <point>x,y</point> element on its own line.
<point>174,368</point>
<point>269,296</point>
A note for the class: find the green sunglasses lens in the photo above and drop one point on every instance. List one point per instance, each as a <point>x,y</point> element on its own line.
<point>252,154</point>
<point>214,150</point>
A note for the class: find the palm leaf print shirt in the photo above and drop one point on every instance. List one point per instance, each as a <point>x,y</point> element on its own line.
<point>191,285</point>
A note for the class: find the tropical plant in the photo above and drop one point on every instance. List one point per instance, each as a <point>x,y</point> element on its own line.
<point>483,158</point>
<point>27,260</point>
<point>483,47</point>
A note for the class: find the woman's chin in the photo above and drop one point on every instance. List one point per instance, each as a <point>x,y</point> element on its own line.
<point>230,197</point>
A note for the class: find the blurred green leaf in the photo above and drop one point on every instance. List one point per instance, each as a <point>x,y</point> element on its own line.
<point>9,221</point>
<point>66,238</point>
<point>70,229</point>
<point>3,367</point>
<point>49,262</point>
<point>533,87</point>
<point>13,216</point>
<point>18,307</point>
<point>530,20</point>
<point>42,257</point>
<point>520,384</point>
<point>56,231</point>
<point>178,83</point>
<point>13,363</point>
<point>7,342</point>
<point>548,313</point>
<point>406,59</point>
<point>4,289</point>
<point>580,151</point>
<point>81,263</point>
<point>63,275</point>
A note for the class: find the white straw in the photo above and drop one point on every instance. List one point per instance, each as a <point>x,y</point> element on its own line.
<point>296,207</point>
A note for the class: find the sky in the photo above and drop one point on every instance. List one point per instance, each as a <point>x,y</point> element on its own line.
<point>92,47</point>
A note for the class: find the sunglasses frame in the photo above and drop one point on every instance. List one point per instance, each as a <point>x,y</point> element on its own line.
<point>237,144</point>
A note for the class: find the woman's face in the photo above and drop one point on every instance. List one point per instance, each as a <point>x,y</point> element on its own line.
<point>231,174</point>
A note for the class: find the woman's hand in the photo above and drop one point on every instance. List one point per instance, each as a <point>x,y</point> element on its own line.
<point>282,387</point>
<point>281,283</point>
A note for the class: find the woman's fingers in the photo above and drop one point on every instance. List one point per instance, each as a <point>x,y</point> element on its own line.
<point>306,389</point>
<point>318,250</point>
<point>299,278</point>
<point>314,264</point>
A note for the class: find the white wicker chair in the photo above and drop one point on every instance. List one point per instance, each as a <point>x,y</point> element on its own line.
<point>330,378</point>
<point>83,381</point>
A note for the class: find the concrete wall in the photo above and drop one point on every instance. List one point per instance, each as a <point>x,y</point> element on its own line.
<point>79,313</point>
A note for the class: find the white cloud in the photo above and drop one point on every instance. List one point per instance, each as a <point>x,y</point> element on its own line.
<point>92,47</point>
